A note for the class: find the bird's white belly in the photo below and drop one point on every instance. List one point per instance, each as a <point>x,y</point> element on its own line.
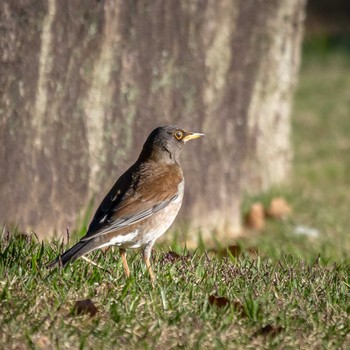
<point>121,240</point>
<point>163,221</point>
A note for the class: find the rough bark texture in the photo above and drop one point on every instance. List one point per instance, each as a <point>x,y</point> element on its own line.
<point>84,82</point>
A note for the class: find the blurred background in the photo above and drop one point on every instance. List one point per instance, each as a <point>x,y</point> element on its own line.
<point>316,219</point>
<point>83,83</point>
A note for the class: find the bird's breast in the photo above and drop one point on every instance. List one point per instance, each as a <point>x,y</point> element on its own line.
<point>158,224</point>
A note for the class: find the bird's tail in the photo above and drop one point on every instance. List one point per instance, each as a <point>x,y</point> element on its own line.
<point>78,250</point>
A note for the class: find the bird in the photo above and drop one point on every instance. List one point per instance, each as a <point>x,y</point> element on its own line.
<point>142,204</point>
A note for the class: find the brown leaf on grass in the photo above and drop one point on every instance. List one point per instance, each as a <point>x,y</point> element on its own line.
<point>279,208</point>
<point>255,218</point>
<point>239,308</point>
<point>269,330</point>
<point>83,307</point>
<point>218,301</point>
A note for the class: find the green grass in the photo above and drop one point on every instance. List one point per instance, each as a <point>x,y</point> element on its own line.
<point>295,295</point>
<point>305,305</point>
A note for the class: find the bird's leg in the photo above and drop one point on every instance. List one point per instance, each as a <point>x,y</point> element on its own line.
<point>146,255</point>
<point>125,263</point>
<point>149,268</point>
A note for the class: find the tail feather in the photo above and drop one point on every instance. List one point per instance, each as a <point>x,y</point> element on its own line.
<point>75,252</point>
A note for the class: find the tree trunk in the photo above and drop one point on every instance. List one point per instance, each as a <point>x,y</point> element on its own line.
<point>83,83</point>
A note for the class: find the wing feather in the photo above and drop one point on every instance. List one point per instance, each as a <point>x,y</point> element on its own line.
<point>134,198</point>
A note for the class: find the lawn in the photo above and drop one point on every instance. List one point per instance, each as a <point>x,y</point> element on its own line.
<point>294,294</point>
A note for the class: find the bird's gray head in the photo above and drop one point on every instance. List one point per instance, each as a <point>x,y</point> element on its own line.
<point>165,143</point>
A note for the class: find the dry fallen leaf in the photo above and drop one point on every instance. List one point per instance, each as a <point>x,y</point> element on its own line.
<point>83,307</point>
<point>279,208</point>
<point>269,330</point>
<point>239,308</point>
<point>218,301</point>
<point>256,217</point>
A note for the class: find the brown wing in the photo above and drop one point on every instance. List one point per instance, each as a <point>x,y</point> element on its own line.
<point>135,198</point>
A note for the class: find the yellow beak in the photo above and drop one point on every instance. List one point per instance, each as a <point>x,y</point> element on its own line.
<point>192,135</point>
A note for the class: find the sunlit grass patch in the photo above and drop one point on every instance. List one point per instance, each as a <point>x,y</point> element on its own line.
<point>267,301</point>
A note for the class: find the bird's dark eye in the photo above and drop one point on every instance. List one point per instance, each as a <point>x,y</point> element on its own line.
<point>178,134</point>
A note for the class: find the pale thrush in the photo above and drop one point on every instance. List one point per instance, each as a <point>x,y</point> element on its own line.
<point>142,204</point>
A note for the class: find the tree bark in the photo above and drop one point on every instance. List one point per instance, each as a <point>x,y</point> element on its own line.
<point>83,83</point>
